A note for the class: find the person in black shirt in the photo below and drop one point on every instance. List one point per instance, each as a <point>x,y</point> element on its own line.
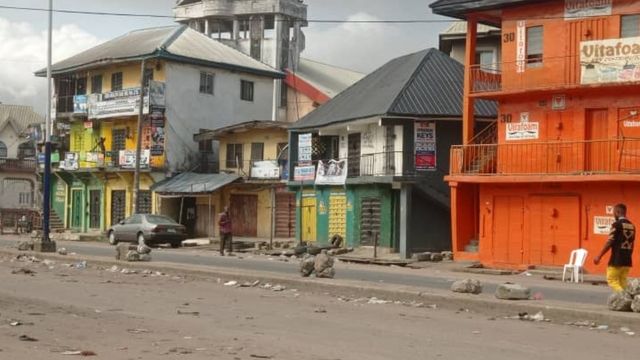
<point>621,242</point>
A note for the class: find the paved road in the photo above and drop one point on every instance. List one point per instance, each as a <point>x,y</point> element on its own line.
<point>583,294</point>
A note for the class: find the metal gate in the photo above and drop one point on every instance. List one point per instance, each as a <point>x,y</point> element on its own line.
<point>118,142</point>
<point>354,154</point>
<point>94,208</point>
<point>369,220</point>
<point>285,215</point>
<point>118,205</point>
<point>338,214</point>
<point>244,215</point>
<point>76,209</point>
<point>144,202</point>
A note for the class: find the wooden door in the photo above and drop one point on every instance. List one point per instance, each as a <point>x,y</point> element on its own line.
<point>285,215</point>
<point>204,223</point>
<point>308,218</point>
<point>118,206</point>
<point>508,225</point>
<point>555,229</point>
<point>597,153</point>
<point>353,154</point>
<point>244,215</point>
<point>76,209</point>
<point>95,197</point>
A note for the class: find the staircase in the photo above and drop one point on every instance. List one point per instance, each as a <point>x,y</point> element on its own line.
<point>434,187</point>
<point>55,223</point>
<point>483,151</point>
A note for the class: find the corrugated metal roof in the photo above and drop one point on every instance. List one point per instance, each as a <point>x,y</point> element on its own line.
<point>329,79</point>
<point>189,183</point>
<point>178,43</point>
<point>458,8</point>
<point>427,84</point>
<point>21,117</point>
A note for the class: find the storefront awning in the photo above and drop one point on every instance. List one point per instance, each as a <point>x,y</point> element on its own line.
<point>193,184</point>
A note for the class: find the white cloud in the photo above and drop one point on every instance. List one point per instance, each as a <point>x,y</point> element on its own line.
<point>360,46</point>
<point>23,50</point>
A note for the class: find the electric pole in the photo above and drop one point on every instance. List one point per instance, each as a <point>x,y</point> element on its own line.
<point>136,173</point>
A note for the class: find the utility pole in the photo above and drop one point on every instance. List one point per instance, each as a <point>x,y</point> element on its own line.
<point>45,244</point>
<point>136,173</point>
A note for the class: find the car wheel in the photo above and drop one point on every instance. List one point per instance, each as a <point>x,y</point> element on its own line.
<point>141,239</point>
<point>112,238</point>
<point>176,244</point>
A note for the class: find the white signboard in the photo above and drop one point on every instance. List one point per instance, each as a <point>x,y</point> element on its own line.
<point>523,131</point>
<point>602,224</point>
<point>70,161</point>
<point>521,46</point>
<point>305,148</point>
<point>265,170</point>
<point>610,61</point>
<point>112,104</point>
<point>333,172</point>
<point>127,159</point>
<point>304,173</point>
<point>574,9</point>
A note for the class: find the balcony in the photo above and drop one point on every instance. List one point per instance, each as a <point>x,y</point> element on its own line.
<point>257,169</point>
<point>18,165</point>
<point>596,157</point>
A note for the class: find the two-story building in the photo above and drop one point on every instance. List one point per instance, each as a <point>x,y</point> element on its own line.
<point>566,145</point>
<point>369,164</point>
<point>188,81</point>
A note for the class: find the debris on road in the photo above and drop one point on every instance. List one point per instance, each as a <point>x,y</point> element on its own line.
<point>194,313</point>
<point>323,265</point>
<point>620,302</point>
<point>138,331</point>
<point>278,288</point>
<point>133,253</point>
<point>27,338</point>
<point>320,311</point>
<point>467,286</point>
<point>80,265</point>
<point>62,251</point>
<point>307,265</point>
<point>376,301</point>
<point>25,246</point>
<point>512,291</point>
<point>24,271</point>
<point>256,356</point>
<point>231,283</point>
<point>80,353</point>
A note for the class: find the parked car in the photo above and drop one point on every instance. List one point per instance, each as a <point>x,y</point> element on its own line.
<point>152,229</point>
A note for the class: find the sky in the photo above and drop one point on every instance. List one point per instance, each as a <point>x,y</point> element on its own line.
<point>361,47</point>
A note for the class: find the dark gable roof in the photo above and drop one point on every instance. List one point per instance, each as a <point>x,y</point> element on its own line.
<point>424,84</point>
<point>175,43</point>
<point>458,8</point>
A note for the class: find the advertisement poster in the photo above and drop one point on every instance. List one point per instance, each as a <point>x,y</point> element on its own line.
<point>117,103</point>
<point>94,157</point>
<point>157,141</point>
<point>70,161</point>
<point>305,148</point>
<point>156,115</point>
<point>425,142</point>
<point>523,131</point>
<point>575,9</point>
<point>156,93</point>
<point>332,172</point>
<point>602,224</point>
<point>304,173</point>
<point>127,159</point>
<point>267,169</point>
<point>610,61</point>
<point>80,104</point>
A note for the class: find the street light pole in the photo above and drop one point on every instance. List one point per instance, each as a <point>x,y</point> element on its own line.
<point>46,245</point>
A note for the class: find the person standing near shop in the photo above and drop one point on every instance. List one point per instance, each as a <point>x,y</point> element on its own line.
<point>226,233</point>
<point>621,242</point>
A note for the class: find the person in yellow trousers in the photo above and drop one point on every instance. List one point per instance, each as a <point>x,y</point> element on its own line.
<point>621,242</point>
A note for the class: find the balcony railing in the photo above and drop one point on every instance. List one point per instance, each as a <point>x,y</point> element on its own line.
<point>612,156</point>
<point>257,169</point>
<point>17,164</point>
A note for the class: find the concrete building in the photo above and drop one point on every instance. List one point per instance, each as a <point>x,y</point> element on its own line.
<point>565,150</point>
<point>488,43</point>
<point>369,164</point>
<point>269,31</point>
<point>18,180</point>
<point>191,82</point>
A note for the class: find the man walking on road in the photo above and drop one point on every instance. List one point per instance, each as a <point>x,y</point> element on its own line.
<point>226,236</point>
<point>621,241</point>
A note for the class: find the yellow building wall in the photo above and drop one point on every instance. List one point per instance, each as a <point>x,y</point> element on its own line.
<point>130,74</point>
<point>124,181</point>
<point>270,137</point>
<point>83,140</point>
<point>264,204</point>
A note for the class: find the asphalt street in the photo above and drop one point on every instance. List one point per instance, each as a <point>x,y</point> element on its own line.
<point>582,295</point>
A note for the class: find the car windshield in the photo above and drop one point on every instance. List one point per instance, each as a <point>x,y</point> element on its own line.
<point>157,219</point>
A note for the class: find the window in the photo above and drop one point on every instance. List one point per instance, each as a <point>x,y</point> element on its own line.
<point>206,83</point>
<point>486,60</point>
<point>257,151</point>
<point>283,151</point>
<point>81,86</point>
<point>26,150</point>
<point>96,84</point>
<point>234,156</point>
<point>116,81</point>
<point>246,90</point>
<point>284,94</point>
<point>24,198</point>
<point>148,75</point>
<point>3,150</point>
<point>629,26</point>
<point>534,46</point>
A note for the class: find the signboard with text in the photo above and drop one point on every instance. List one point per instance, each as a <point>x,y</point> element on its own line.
<point>127,159</point>
<point>116,103</point>
<point>575,9</point>
<point>602,224</point>
<point>610,61</point>
<point>265,170</point>
<point>304,173</point>
<point>523,131</point>
<point>425,145</point>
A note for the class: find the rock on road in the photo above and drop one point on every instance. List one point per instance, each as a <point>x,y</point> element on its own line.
<point>152,316</point>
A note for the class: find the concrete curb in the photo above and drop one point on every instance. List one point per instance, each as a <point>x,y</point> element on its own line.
<point>486,304</point>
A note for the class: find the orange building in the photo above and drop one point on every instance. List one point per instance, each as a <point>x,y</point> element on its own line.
<point>566,147</point>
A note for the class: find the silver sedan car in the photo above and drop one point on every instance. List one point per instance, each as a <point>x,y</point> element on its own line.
<point>148,229</point>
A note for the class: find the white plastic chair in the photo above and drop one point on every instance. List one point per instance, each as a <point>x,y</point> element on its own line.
<point>576,265</point>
